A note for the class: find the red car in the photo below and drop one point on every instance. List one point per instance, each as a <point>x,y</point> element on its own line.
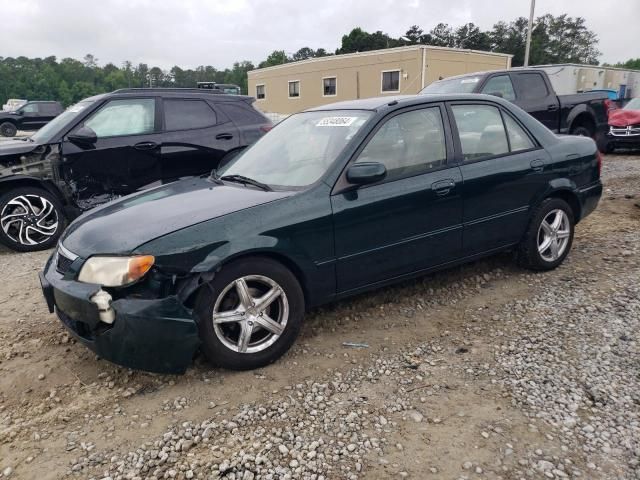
<point>624,127</point>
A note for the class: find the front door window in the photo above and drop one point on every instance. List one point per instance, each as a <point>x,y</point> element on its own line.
<point>124,117</point>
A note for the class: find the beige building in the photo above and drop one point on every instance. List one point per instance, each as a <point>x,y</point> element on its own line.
<point>296,86</point>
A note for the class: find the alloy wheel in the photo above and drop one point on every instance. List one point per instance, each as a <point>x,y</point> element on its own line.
<point>250,314</point>
<point>553,235</point>
<point>29,219</point>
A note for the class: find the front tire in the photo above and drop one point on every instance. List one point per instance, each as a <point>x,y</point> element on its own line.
<point>31,219</point>
<point>250,315</point>
<point>8,129</point>
<point>549,236</point>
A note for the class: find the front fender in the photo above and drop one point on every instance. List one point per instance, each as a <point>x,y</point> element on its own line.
<point>297,231</point>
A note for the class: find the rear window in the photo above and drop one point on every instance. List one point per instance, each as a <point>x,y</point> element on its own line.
<point>241,113</point>
<point>186,114</point>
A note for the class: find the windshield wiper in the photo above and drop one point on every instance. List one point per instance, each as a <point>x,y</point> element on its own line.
<point>247,181</point>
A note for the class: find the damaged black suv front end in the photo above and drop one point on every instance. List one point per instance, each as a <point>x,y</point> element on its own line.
<point>143,326</point>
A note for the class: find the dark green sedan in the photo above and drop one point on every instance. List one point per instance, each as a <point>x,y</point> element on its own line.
<point>334,201</point>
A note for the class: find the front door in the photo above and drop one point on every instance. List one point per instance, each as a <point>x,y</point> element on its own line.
<point>411,220</point>
<point>32,116</point>
<point>125,158</point>
<point>503,171</point>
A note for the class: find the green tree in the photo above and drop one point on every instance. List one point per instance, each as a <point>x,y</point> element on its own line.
<point>303,54</point>
<point>360,41</point>
<point>440,36</point>
<point>414,34</point>
<point>469,36</point>
<point>277,57</point>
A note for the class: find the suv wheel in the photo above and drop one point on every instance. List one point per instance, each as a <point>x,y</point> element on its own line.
<point>250,315</point>
<point>8,129</point>
<point>549,236</point>
<point>30,219</point>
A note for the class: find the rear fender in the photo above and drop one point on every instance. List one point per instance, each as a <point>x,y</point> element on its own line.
<point>560,188</point>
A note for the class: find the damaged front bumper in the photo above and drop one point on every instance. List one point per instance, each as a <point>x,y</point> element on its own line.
<point>158,335</point>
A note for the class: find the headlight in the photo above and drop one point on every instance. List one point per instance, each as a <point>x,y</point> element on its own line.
<point>115,271</point>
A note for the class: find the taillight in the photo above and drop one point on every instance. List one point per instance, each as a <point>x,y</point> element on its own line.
<point>599,158</point>
<point>266,128</point>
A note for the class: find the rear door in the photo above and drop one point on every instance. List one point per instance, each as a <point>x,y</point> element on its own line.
<point>125,157</point>
<point>411,220</point>
<point>196,137</point>
<point>534,96</point>
<point>503,171</point>
<point>251,123</point>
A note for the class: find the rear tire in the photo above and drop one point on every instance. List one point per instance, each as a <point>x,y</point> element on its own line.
<point>549,236</point>
<point>243,331</point>
<point>31,219</point>
<point>8,129</point>
<point>582,131</point>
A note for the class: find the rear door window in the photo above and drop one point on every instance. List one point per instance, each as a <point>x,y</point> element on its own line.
<point>241,113</point>
<point>188,114</point>
<point>531,86</point>
<point>518,138</point>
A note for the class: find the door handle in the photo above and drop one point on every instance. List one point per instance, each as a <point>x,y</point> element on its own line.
<point>145,145</point>
<point>224,136</point>
<point>552,108</point>
<point>443,187</point>
<point>537,165</point>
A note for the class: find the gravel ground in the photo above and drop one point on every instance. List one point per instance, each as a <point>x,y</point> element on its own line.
<point>484,371</point>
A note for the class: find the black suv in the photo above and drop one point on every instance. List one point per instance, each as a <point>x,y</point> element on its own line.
<point>112,145</point>
<point>30,116</point>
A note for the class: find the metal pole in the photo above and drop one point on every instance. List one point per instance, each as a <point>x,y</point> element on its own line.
<point>528,47</point>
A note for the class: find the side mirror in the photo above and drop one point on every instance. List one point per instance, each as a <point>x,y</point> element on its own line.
<point>20,113</point>
<point>496,94</point>
<point>366,172</point>
<point>83,137</point>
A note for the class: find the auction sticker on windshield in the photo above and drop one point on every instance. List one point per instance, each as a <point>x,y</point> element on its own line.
<point>470,80</point>
<point>336,121</point>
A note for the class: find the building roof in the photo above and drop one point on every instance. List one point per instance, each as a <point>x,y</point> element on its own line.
<point>384,51</point>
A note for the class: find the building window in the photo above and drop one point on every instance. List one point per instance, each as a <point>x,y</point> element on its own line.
<point>294,89</point>
<point>260,94</point>
<point>391,81</point>
<point>329,87</point>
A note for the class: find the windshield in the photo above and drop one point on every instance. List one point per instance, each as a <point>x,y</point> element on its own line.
<point>633,104</point>
<point>46,133</point>
<point>454,85</point>
<point>300,149</point>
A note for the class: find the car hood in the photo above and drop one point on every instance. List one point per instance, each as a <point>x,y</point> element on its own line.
<point>14,147</point>
<point>623,118</point>
<point>119,227</point>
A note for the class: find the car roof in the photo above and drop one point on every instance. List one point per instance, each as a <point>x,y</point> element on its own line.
<point>211,95</point>
<point>377,103</point>
<point>487,72</point>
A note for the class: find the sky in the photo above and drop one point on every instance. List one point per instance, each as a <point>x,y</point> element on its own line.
<point>189,33</point>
